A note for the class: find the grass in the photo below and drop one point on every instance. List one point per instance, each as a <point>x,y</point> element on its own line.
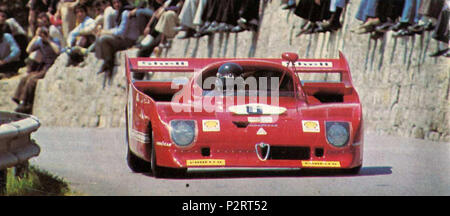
<point>36,182</point>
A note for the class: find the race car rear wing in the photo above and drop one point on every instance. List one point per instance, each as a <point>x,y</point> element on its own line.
<point>190,65</point>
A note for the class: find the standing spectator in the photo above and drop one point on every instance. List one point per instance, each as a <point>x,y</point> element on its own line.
<point>67,14</point>
<point>49,48</point>
<point>119,38</point>
<point>9,53</point>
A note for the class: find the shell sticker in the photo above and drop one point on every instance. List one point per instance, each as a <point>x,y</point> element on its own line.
<point>309,126</point>
<point>211,125</point>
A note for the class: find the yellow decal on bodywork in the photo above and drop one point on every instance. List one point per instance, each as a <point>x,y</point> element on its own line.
<point>206,162</point>
<point>321,164</point>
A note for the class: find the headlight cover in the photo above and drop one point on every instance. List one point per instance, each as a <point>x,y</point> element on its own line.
<point>182,132</point>
<point>338,133</point>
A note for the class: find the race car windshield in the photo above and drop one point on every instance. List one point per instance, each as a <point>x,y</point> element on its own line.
<point>251,82</point>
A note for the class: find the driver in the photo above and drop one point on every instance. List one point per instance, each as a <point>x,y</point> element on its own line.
<point>226,74</point>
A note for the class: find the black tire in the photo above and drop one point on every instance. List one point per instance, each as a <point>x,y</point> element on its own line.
<point>352,171</point>
<point>157,171</point>
<point>135,163</point>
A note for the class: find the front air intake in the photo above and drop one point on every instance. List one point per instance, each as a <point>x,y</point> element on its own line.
<point>289,153</point>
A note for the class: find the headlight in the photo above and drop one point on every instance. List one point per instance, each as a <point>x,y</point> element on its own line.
<point>337,133</point>
<point>182,132</point>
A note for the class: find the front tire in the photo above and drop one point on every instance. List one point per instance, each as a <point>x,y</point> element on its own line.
<point>156,170</point>
<point>135,163</point>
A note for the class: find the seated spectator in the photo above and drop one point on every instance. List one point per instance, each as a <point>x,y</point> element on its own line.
<point>334,23</point>
<point>81,37</point>
<point>410,16</point>
<point>19,34</point>
<point>248,16</point>
<point>314,11</point>
<point>118,38</point>
<point>187,16</point>
<point>289,4</point>
<point>9,53</point>
<point>441,32</point>
<point>49,48</point>
<point>54,33</point>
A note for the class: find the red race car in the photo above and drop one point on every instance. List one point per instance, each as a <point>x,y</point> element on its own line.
<point>242,114</point>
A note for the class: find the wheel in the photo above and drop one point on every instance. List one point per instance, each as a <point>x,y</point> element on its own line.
<point>156,170</point>
<point>352,171</point>
<point>135,163</point>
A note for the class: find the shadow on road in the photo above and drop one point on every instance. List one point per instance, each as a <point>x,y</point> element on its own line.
<point>365,171</point>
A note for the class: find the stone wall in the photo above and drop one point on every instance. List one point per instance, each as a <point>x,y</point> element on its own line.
<point>401,95</point>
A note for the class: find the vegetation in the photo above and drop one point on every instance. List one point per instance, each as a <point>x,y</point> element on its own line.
<point>36,182</point>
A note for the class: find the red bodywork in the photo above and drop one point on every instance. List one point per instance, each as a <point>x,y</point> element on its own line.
<point>235,142</point>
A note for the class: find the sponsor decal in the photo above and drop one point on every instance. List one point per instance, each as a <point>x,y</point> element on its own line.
<point>260,119</point>
<point>163,143</point>
<point>139,136</point>
<point>206,162</point>
<point>256,109</point>
<point>321,164</point>
<point>163,63</point>
<point>310,126</point>
<point>261,131</point>
<point>211,125</point>
<point>323,64</point>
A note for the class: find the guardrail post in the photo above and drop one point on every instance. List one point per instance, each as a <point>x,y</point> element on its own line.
<point>3,177</point>
<point>21,169</point>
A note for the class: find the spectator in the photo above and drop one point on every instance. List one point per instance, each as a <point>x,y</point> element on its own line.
<point>290,4</point>
<point>67,14</point>
<point>441,32</point>
<point>49,48</point>
<point>187,16</point>
<point>313,11</point>
<point>16,30</point>
<point>54,33</point>
<point>156,35</point>
<point>248,16</point>
<point>118,38</point>
<point>334,23</point>
<point>367,14</point>
<point>9,53</point>
<point>37,7</point>
<point>410,16</point>
<point>81,37</point>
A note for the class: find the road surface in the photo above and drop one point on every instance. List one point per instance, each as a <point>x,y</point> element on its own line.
<point>93,162</point>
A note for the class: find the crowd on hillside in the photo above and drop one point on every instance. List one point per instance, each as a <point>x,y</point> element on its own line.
<point>78,27</point>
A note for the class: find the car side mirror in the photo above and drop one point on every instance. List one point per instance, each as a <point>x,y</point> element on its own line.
<point>291,57</point>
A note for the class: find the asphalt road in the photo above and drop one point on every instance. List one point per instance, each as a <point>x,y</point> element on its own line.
<point>93,162</point>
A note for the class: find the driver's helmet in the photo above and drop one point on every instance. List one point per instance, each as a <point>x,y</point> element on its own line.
<point>227,72</point>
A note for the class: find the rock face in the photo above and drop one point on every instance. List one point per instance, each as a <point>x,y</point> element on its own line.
<point>403,91</point>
